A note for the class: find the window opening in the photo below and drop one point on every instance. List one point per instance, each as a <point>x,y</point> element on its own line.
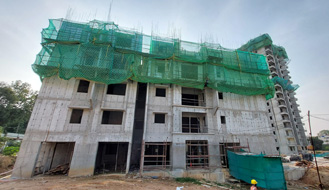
<point>160,92</point>
<point>220,95</point>
<point>76,116</point>
<point>116,89</point>
<point>222,120</point>
<point>83,86</point>
<point>112,117</point>
<point>159,118</point>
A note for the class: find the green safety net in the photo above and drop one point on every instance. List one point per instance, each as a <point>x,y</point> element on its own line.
<point>285,84</point>
<point>103,52</point>
<point>267,171</point>
<point>263,41</point>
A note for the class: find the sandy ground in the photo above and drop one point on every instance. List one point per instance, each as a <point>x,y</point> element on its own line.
<point>311,180</point>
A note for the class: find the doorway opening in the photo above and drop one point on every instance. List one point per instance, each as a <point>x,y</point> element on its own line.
<point>54,158</point>
<point>111,157</point>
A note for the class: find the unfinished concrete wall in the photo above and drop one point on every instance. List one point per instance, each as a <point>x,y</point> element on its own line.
<point>50,122</point>
<point>224,117</point>
<point>246,121</point>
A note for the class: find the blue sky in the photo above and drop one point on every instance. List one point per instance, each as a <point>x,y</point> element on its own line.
<point>302,27</point>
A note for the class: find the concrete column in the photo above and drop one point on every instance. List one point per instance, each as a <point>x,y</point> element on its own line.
<point>179,159</point>
<point>26,159</point>
<point>214,159</point>
<point>83,160</point>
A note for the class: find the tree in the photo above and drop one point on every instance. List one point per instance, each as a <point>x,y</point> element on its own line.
<point>323,133</point>
<point>317,143</point>
<point>16,104</point>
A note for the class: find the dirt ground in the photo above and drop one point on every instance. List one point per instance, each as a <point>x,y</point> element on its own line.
<point>112,181</point>
<point>98,182</point>
<point>311,176</point>
<point>6,163</point>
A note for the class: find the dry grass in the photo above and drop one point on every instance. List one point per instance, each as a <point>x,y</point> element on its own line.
<point>6,163</point>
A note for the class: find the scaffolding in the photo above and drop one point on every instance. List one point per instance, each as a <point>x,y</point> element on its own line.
<point>103,52</point>
<point>155,156</point>
<point>197,154</point>
<point>225,146</point>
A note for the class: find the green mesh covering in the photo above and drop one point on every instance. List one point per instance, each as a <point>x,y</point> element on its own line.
<point>103,52</point>
<point>285,84</point>
<point>256,43</point>
<point>279,51</point>
<point>267,171</point>
<point>263,41</point>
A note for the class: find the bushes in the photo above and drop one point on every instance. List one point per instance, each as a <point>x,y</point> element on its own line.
<point>325,147</point>
<point>10,150</point>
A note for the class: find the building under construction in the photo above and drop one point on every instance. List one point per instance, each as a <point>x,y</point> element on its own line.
<point>284,114</point>
<point>115,100</point>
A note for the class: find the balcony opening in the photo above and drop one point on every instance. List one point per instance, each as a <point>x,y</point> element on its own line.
<point>111,157</point>
<point>197,154</point>
<point>192,97</point>
<point>285,117</point>
<point>286,124</point>
<point>156,155</point>
<point>282,110</point>
<point>281,102</point>
<point>194,123</point>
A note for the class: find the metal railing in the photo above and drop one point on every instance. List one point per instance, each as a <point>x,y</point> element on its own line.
<point>194,128</point>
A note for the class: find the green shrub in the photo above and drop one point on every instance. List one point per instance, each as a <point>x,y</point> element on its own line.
<point>325,147</point>
<point>188,180</point>
<point>10,151</point>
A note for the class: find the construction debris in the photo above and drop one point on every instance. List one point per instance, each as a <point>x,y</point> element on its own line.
<point>60,169</point>
<point>295,157</point>
<point>304,163</point>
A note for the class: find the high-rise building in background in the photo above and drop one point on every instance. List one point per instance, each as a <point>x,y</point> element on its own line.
<point>284,114</point>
